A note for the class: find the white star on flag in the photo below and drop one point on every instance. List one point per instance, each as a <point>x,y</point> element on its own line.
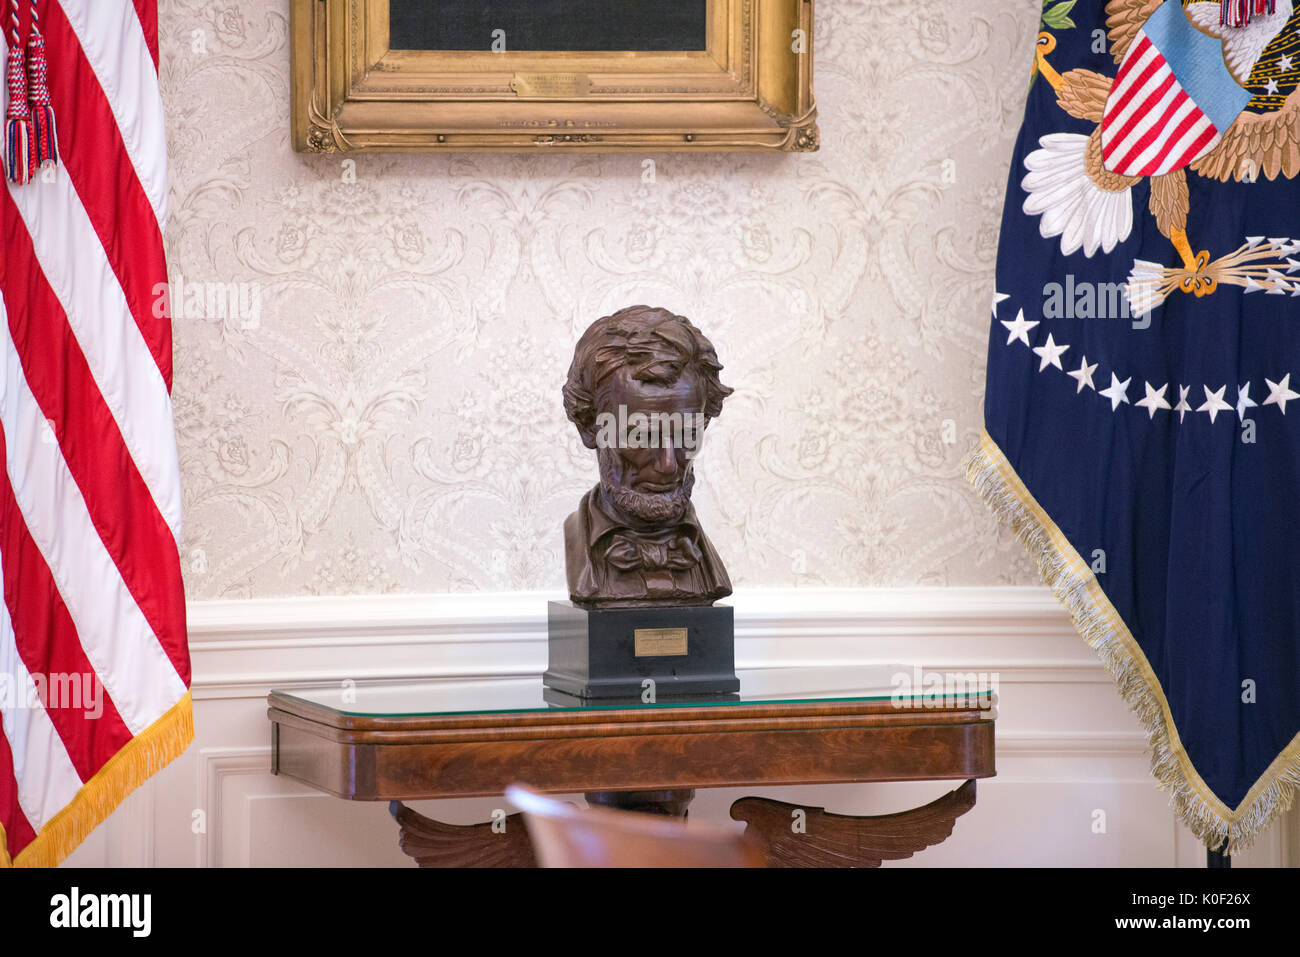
<point>1155,399</point>
<point>1019,329</point>
<point>1213,403</point>
<point>1244,401</point>
<point>1279,393</point>
<point>997,298</point>
<point>1084,375</point>
<point>1050,353</point>
<point>1118,391</point>
<point>1270,86</point>
<point>1284,64</point>
<point>1183,407</point>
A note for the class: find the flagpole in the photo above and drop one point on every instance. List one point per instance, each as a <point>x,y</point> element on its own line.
<point>1215,859</point>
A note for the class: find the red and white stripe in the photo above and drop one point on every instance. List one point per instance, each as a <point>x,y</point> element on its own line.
<point>90,502</point>
<point>1151,126</point>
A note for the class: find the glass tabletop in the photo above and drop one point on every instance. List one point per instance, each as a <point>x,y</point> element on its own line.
<point>905,684</point>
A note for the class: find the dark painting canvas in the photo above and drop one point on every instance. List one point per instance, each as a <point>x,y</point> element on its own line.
<point>548,25</point>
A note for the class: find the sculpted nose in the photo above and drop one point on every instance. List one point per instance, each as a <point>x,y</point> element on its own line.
<point>665,459</point>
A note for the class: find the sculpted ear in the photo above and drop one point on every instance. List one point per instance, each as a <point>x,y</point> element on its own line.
<point>598,431</point>
<point>586,423</point>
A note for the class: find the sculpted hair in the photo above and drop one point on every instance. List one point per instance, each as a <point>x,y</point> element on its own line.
<point>655,346</point>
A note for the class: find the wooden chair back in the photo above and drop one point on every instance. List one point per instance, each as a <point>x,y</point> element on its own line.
<point>566,836</point>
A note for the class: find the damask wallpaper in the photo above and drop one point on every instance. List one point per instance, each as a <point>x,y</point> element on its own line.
<point>369,352</point>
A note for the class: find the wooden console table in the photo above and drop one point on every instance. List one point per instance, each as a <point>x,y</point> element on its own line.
<point>395,742</point>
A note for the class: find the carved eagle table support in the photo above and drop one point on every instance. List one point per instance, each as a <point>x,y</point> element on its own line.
<point>431,843</point>
<point>791,835</point>
<point>504,842</point>
<point>840,840</point>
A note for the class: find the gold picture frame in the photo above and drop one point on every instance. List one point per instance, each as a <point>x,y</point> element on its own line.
<point>750,89</point>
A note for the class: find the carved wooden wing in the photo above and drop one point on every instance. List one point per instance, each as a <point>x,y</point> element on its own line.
<point>841,840</point>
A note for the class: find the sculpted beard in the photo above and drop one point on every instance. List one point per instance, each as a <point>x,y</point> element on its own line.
<point>655,507</point>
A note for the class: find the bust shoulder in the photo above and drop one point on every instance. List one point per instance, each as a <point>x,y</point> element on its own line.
<point>577,562</point>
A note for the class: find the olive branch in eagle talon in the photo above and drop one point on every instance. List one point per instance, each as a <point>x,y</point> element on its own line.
<point>1084,195</point>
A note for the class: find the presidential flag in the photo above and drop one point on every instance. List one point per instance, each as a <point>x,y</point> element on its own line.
<point>1142,409</point>
<point>94,663</point>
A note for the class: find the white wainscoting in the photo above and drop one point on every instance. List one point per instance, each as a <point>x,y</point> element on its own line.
<point>1067,747</point>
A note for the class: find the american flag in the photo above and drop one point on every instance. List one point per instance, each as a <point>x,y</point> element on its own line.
<point>94,662</point>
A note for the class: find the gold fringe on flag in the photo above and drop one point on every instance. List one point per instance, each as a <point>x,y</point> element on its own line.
<point>1095,618</point>
<point>140,758</point>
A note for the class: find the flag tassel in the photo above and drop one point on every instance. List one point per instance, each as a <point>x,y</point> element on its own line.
<point>1237,13</point>
<point>18,126</point>
<point>44,132</point>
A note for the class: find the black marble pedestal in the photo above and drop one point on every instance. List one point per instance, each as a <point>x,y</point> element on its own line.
<point>603,653</point>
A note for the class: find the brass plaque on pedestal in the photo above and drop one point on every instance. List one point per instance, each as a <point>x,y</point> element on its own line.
<point>659,642</point>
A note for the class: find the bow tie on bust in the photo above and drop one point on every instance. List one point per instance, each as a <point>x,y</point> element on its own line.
<point>672,549</point>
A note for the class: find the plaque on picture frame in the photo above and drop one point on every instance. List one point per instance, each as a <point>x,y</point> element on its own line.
<point>573,75</point>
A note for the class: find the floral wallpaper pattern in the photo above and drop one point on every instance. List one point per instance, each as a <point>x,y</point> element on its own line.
<point>380,409</point>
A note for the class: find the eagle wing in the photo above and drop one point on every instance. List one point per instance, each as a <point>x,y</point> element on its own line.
<point>1083,93</point>
<point>1256,144</point>
<point>1124,18</point>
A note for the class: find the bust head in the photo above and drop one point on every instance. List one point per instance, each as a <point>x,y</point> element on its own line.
<point>642,388</point>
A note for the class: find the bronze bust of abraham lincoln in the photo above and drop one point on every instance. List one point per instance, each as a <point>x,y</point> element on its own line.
<point>642,388</point>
